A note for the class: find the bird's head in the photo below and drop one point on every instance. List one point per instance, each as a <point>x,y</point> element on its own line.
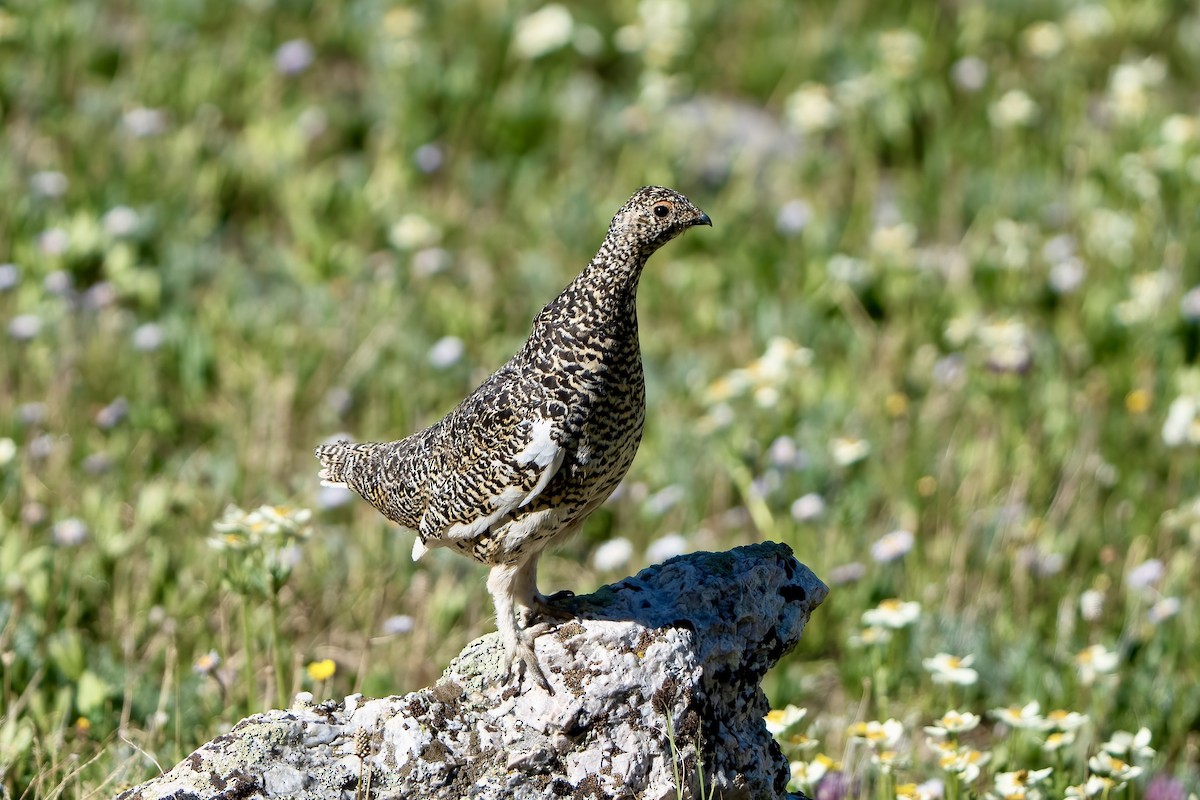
<point>654,216</point>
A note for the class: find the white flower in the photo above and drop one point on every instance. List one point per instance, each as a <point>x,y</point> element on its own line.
<point>613,554</point>
<point>953,723</point>
<point>1015,785</point>
<point>148,337</point>
<point>808,507</point>
<point>1043,39</point>
<point>1148,295</point>
<point>893,613</point>
<point>206,663</point>
<point>1163,609</point>
<point>878,735</point>
<point>446,352</point>
<point>8,451</point>
<point>143,122</point>
<point>1096,785</point>
<point>1058,740</point>
<point>807,774</point>
<point>1007,344</point>
<point>333,497</point>
<point>1182,425</point>
<point>781,720</point>
<point>1145,575</point>
<point>945,668</point>
<point>811,109</point>
<point>120,221</point>
<point>49,183</point>
<point>970,73</point>
<point>544,31</point>
<point>397,625</point>
<point>1014,109</point>
<point>1063,720</point>
<point>70,532</point>
<point>1091,604</point>
<point>1109,765</point>
<point>870,636</point>
<point>892,546</point>
<point>666,547</point>
<point>793,217</point>
<point>54,241</point>
<point>1134,745</point>
<point>1026,716</point>
<point>964,762</point>
<point>1095,661</point>
<point>847,450</point>
<point>24,327</point>
<point>412,232</point>
<point>1087,22</point>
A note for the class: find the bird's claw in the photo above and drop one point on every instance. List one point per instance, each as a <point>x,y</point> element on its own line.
<point>524,659</point>
<point>543,608</point>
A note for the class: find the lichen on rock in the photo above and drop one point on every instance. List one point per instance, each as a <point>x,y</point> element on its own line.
<point>656,682</point>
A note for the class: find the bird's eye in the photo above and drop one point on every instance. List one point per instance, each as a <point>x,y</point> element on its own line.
<point>662,209</point>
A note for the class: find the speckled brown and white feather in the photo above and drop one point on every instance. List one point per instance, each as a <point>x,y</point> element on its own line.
<point>525,458</point>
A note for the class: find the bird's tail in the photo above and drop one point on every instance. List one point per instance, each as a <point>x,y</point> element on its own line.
<point>338,461</point>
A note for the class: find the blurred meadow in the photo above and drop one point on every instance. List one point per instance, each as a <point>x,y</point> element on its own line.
<point>942,340</point>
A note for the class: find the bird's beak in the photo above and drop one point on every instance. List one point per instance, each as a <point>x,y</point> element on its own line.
<point>702,220</point>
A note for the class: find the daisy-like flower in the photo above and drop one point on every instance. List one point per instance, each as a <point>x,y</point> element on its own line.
<point>953,723</point>
<point>892,613</point>
<point>954,670</point>
<point>1058,740</point>
<point>1026,716</point>
<point>544,31</point>
<point>892,546</point>
<point>847,450</point>
<point>888,761</point>
<point>781,719</point>
<point>1095,661</point>
<point>1133,745</point>
<point>1110,766</point>
<point>871,635</point>
<point>1017,785</point>
<point>1062,720</point>
<point>1163,609</point>
<point>965,762</point>
<point>206,663</point>
<point>807,774</point>
<point>1095,786</point>
<point>877,735</point>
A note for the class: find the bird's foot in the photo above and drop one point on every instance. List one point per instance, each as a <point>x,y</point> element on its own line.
<point>524,659</point>
<point>545,608</point>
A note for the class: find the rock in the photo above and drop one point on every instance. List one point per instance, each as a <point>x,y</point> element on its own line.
<point>656,693</point>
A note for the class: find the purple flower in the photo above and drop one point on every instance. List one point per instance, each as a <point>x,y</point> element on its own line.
<point>1165,787</point>
<point>69,532</point>
<point>293,57</point>
<point>836,785</point>
<point>428,158</point>
<point>10,276</point>
<point>113,414</point>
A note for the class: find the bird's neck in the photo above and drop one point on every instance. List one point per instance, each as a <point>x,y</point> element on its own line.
<point>610,282</point>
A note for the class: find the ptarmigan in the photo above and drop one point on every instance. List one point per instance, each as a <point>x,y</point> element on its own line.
<point>520,463</point>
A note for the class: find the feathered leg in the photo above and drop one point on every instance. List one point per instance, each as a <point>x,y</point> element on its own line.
<point>503,584</point>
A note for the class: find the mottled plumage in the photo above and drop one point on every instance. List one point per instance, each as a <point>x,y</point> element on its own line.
<point>521,462</point>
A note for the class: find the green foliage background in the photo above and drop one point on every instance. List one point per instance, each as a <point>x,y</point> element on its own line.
<point>300,253</point>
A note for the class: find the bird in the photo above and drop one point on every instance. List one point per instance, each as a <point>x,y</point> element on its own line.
<point>521,462</point>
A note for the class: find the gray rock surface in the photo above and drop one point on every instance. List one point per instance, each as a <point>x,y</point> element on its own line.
<point>656,694</point>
